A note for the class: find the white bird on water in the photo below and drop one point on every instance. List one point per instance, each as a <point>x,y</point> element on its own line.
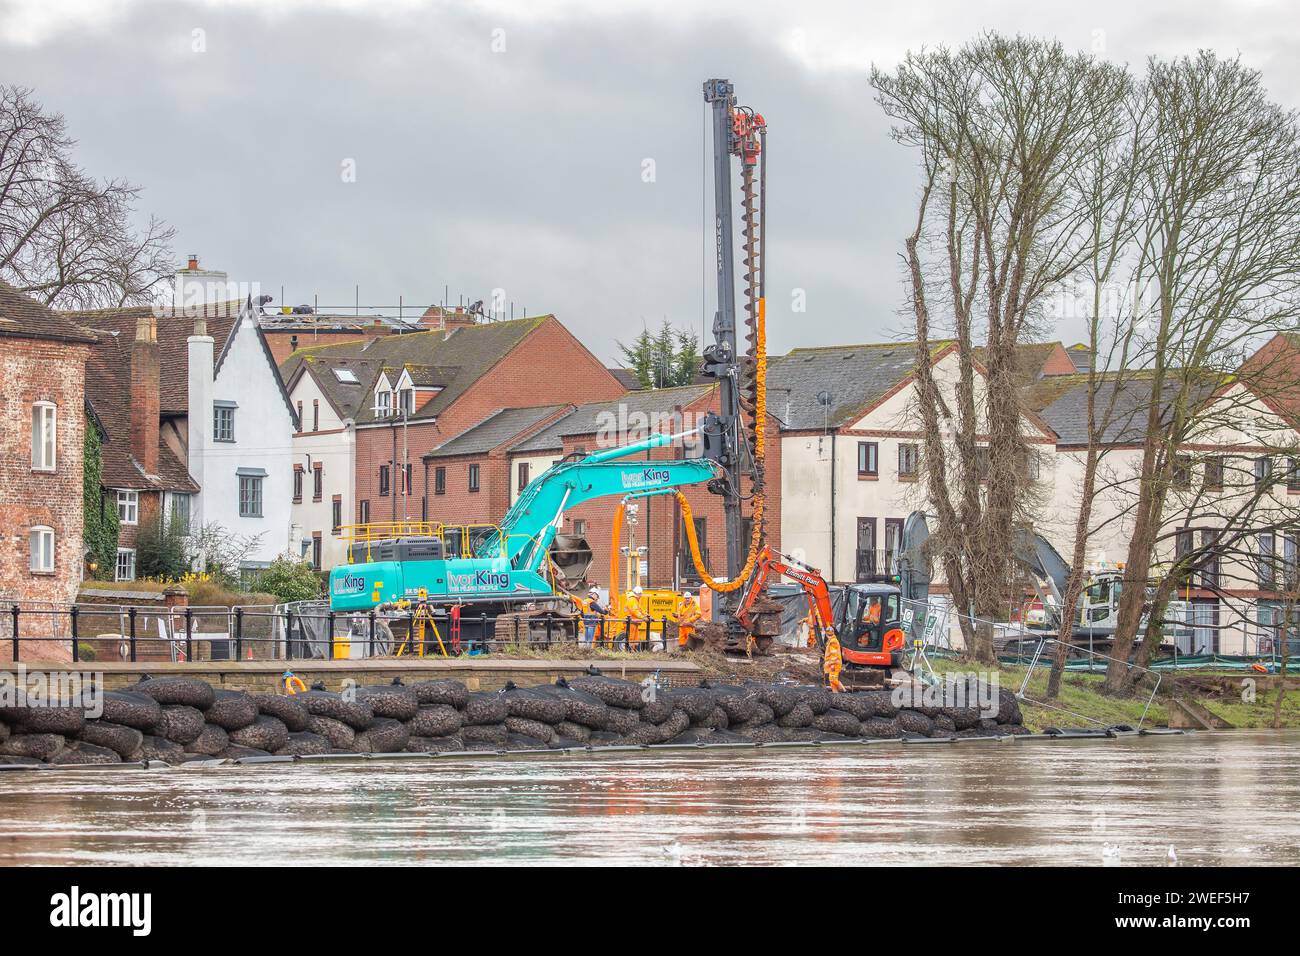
<point>1172,856</point>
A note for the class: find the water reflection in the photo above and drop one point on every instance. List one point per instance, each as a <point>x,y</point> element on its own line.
<point>1216,798</point>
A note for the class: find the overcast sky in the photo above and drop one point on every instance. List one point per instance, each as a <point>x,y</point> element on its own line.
<point>502,144</point>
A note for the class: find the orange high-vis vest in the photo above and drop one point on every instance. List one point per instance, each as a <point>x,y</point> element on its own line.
<point>687,617</point>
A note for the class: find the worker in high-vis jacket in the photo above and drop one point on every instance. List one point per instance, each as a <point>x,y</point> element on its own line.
<point>634,612</point>
<point>593,615</point>
<point>688,616</point>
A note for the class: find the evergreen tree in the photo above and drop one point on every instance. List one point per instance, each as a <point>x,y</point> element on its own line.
<point>663,359</point>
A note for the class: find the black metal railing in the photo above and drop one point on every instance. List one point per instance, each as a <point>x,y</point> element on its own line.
<point>90,633</point>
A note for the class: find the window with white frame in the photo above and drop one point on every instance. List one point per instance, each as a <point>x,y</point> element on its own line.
<point>44,420</point>
<point>125,570</point>
<point>128,507</point>
<point>383,403</point>
<point>41,543</point>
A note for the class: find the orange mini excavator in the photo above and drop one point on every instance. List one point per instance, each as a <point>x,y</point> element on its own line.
<point>867,632</point>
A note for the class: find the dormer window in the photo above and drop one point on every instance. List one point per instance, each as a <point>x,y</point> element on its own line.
<point>383,403</point>
<point>406,401</point>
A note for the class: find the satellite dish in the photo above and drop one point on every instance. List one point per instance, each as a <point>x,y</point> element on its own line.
<point>823,398</point>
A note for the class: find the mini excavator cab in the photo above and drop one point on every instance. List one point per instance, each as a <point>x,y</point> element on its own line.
<point>870,626</point>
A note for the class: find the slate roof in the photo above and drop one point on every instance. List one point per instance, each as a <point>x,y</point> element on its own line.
<point>591,418</point>
<point>852,376</point>
<point>174,330</point>
<point>456,361</point>
<point>23,317</point>
<point>495,430</point>
<point>1066,408</point>
<point>344,397</point>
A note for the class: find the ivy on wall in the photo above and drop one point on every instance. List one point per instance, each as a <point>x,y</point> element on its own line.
<point>100,523</point>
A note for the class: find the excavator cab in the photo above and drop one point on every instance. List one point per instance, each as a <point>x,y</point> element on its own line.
<point>870,628</point>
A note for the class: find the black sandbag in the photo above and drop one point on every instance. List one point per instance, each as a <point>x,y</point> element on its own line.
<point>4,731</point>
<point>914,722</point>
<point>801,734</point>
<point>697,702</point>
<point>694,735</point>
<point>485,746</point>
<point>80,752</point>
<point>189,691</point>
<point>160,748</point>
<point>818,699</point>
<point>530,728</point>
<point>943,726</point>
<point>211,741</point>
<point>800,715</point>
<point>38,746</point>
<point>620,720</point>
<point>718,719</point>
<point>435,720</point>
<point>117,738</point>
<point>644,733</point>
<point>485,707</point>
<point>988,723</point>
<point>882,727</point>
<point>573,731</point>
<point>291,711</point>
<point>963,718</point>
<point>615,692</point>
<point>484,733</point>
<point>323,703</point>
<point>580,706</point>
<point>530,704</point>
<point>433,745</point>
<point>836,721</point>
<point>386,735</point>
<point>559,742</point>
<point>782,698</point>
<point>231,710</point>
<point>303,743</point>
<point>36,719</point>
<point>180,723</point>
<point>6,760</point>
<point>234,752</point>
<point>1015,730</point>
<point>390,700</point>
<point>977,732</point>
<point>444,691</point>
<point>1008,708</point>
<point>859,705</point>
<point>266,733</point>
<point>881,700</point>
<point>521,742</point>
<point>131,710</point>
<point>339,734</point>
<point>604,738</point>
<point>739,703</point>
<point>658,708</point>
<point>764,733</point>
<point>676,723</point>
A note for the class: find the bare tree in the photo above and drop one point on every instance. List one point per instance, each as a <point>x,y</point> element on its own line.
<point>1216,261</point>
<point>65,238</point>
<point>1006,131</point>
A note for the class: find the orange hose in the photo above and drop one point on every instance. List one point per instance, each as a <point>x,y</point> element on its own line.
<point>614,595</point>
<point>760,429</point>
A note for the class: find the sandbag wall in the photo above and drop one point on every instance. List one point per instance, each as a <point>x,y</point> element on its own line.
<point>179,719</point>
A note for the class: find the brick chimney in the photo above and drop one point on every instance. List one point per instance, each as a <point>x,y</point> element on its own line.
<point>144,393</point>
<point>439,318</point>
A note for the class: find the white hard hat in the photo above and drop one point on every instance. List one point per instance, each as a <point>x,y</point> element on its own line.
<point>593,590</point>
<point>686,594</point>
<point>637,589</point>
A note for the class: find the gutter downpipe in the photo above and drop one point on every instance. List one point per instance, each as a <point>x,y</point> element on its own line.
<point>833,578</point>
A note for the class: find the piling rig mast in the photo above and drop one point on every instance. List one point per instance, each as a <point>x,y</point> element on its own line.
<point>734,437</point>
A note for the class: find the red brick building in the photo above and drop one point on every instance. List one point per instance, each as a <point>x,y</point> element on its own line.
<point>477,475</point>
<point>433,385</point>
<point>42,439</point>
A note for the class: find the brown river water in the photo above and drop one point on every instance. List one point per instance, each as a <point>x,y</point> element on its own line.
<point>1214,798</point>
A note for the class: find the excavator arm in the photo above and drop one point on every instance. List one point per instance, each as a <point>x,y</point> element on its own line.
<point>771,562</point>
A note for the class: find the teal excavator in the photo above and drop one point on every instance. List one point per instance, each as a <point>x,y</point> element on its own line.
<point>525,558</point>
